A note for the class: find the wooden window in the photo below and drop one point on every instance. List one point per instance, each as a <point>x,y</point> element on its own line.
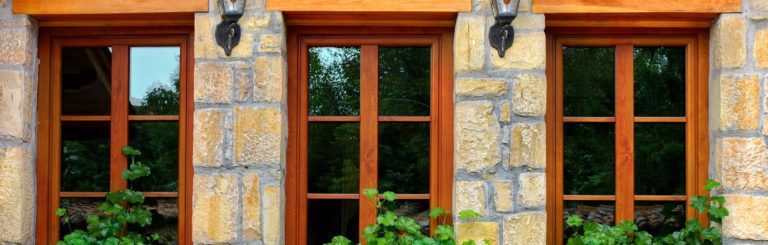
<point>627,127</point>
<point>366,110</point>
<point>99,91</point>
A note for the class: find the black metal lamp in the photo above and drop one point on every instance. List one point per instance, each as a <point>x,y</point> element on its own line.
<point>228,31</point>
<point>502,35</point>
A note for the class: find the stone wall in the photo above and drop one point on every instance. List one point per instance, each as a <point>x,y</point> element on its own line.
<point>739,119</point>
<point>18,100</point>
<point>500,138</point>
<point>240,130</point>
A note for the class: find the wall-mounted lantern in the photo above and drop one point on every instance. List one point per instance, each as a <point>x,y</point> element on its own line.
<point>502,34</point>
<point>228,31</point>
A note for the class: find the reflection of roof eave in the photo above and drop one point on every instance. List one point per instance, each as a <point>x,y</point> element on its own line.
<point>101,65</point>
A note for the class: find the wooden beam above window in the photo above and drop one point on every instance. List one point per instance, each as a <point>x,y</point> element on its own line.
<point>88,7</point>
<point>635,6</point>
<point>370,5</point>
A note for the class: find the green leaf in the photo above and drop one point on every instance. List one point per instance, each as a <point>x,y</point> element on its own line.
<point>339,240</point>
<point>437,212</point>
<point>370,193</point>
<point>468,214</point>
<point>389,196</point>
<point>711,184</point>
<point>573,221</point>
<point>699,203</point>
<point>444,232</point>
<point>130,151</point>
<point>387,219</point>
<point>61,212</point>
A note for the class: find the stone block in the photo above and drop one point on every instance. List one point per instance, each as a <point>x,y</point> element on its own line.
<point>17,47</point>
<point>747,217</point>
<point>761,48</point>
<point>527,52</point>
<point>251,207</point>
<point>270,83</point>
<point>16,100</point>
<point>529,95</point>
<point>272,206</point>
<point>208,134</point>
<point>213,83</point>
<point>469,43</point>
<point>470,195</point>
<point>729,41</point>
<point>258,136</point>
<point>481,87</point>
<point>477,134</point>
<point>479,232</point>
<point>528,146</point>
<point>533,190</point>
<point>205,44</point>
<point>502,196</point>
<point>271,43</point>
<point>529,228</point>
<point>739,102</point>
<point>17,195</point>
<point>505,112</point>
<point>214,208</point>
<point>742,163</point>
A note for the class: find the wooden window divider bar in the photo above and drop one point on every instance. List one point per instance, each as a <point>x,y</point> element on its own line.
<point>589,198</point>
<point>328,196</point>
<point>660,198</point>
<point>660,119</point>
<point>153,118</point>
<point>404,118</point>
<point>589,119</point>
<point>333,118</point>
<point>85,118</point>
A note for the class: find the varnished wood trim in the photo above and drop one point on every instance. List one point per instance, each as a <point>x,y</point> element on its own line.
<point>660,119</point>
<point>370,5</point>
<point>322,196</point>
<point>64,7</point>
<point>84,118</point>
<point>659,198</point>
<point>333,118</point>
<point>403,119</point>
<point>589,198</point>
<point>636,6</point>
<point>153,118</point>
<point>370,19</point>
<point>589,119</point>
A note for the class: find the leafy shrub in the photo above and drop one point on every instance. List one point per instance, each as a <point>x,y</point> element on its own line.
<point>121,209</point>
<point>392,229</point>
<point>626,232</point>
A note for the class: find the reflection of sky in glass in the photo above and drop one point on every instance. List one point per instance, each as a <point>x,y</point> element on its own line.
<point>151,67</point>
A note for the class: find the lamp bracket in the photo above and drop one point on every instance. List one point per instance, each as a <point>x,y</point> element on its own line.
<point>502,34</point>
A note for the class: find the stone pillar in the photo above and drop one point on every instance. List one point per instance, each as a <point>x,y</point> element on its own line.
<point>18,100</point>
<point>739,123</point>
<point>240,130</point>
<point>500,144</point>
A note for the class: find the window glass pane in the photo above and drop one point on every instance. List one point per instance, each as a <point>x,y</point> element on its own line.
<point>404,81</point>
<point>154,80</point>
<point>418,210</point>
<point>165,219</point>
<point>588,159</point>
<point>588,81</point>
<point>334,157</point>
<point>599,212</point>
<point>404,157</point>
<point>86,75</point>
<point>78,210</point>
<point>329,218</point>
<point>660,81</point>
<point>85,156</point>
<point>334,81</point>
<point>660,218</point>
<point>159,146</point>
<point>660,159</point>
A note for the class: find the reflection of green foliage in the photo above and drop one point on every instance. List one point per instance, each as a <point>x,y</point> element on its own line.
<point>333,157</point>
<point>659,81</point>
<point>588,81</point>
<point>334,81</point>
<point>161,100</point>
<point>404,75</point>
<point>85,164</point>
<point>158,141</point>
<point>588,157</point>
<point>404,157</point>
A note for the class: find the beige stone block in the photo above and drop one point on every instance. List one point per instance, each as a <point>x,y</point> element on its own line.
<point>729,41</point>
<point>529,95</point>
<point>251,207</point>
<point>481,5</point>
<point>502,196</point>
<point>470,195</point>
<point>479,232</point>
<point>255,21</point>
<point>16,47</point>
<point>17,195</point>
<point>528,146</point>
<point>205,44</point>
<point>272,215</point>
<point>528,22</point>
<point>761,48</point>
<point>258,136</point>
<point>469,43</point>
<point>759,5</point>
<point>214,208</point>
<point>528,228</point>
<point>270,80</point>
<point>16,101</point>
<point>527,52</point>
<point>242,86</point>
<point>742,163</point>
<point>481,87</point>
<point>271,43</point>
<point>209,137</point>
<point>739,102</point>
<point>505,112</point>
<point>213,83</point>
<point>244,48</point>
<point>477,134</point>
<point>747,217</point>
<point>533,190</point>
<point>525,6</point>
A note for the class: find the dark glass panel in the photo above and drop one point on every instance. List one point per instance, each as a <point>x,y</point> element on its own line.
<point>78,210</point>
<point>660,81</point>
<point>404,157</point>
<point>418,210</point>
<point>329,218</point>
<point>588,81</point>
<point>334,157</point>
<point>404,81</point>
<point>588,159</point>
<point>660,218</point>
<point>600,212</point>
<point>159,146</point>
<point>86,81</point>
<point>165,220</point>
<point>334,81</point>
<point>660,158</point>
<point>154,81</point>
<point>85,156</point>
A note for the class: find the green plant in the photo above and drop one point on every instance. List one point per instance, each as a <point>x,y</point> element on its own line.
<point>121,210</point>
<point>626,232</point>
<point>391,229</point>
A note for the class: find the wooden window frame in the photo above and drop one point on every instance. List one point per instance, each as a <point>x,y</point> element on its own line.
<point>696,42</point>
<point>49,110</point>
<point>441,118</point>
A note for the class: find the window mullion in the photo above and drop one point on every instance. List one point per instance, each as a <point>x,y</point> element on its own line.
<point>625,168</point>
<point>119,116</point>
<point>369,97</point>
